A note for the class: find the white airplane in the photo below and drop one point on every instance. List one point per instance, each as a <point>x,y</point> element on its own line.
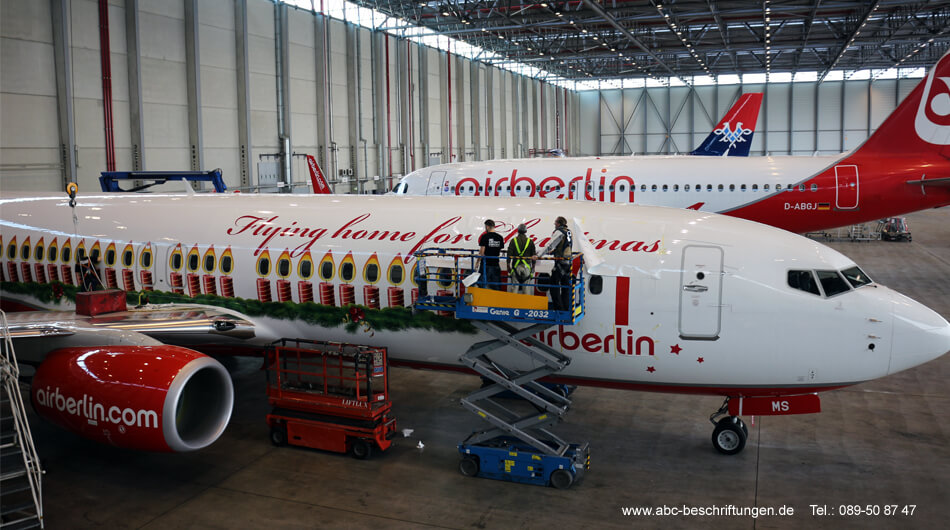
<point>677,301</point>
<point>901,168</point>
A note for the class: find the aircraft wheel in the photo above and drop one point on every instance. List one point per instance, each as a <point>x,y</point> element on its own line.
<point>278,435</point>
<point>468,466</point>
<point>728,437</point>
<point>742,425</point>
<point>361,449</point>
<point>562,479</point>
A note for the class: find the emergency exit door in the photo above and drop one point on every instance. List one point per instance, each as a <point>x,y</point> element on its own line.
<point>846,187</point>
<point>701,293</point>
<point>436,179</point>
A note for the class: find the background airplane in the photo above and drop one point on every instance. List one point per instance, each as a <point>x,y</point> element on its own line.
<point>902,167</point>
<point>676,301</point>
<point>732,136</point>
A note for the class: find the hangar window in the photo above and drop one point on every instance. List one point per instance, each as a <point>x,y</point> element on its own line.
<point>596,284</point>
<point>38,253</point>
<point>51,255</point>
<point>856,277</point>
<point>25,251</point>
<point>803,281</point>
<point>832,283</point>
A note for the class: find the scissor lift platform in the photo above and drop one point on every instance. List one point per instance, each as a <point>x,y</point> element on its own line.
<point>518,446</point>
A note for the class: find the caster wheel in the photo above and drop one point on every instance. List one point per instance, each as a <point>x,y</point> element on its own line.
<point>729,437</point>
<point>562,479</point>
<point>278,435</point>
<point>361,449</point>
<point>468,466</point>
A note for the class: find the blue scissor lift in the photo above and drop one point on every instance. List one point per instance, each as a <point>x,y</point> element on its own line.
<point>518,447</point>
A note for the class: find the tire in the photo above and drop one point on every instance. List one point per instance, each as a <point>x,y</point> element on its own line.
<point>562,479</point>
<point>361,449</point>
<point>468,466</point>
<point>728,437</point>
<point>742,425</point>
<point>278,435</point>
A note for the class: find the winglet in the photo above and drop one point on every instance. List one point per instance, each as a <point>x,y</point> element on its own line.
<point>320,186</point>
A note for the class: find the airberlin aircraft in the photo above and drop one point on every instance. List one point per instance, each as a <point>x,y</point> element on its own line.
<point>677,301</point>
<point>901,168</point>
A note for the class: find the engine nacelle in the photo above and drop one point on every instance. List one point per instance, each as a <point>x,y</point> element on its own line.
<point>153,398</point>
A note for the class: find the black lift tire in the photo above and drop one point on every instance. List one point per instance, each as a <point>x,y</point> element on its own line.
<point>469,466</point>
<point>743,426</point>
<point>562,479</point>
<point>278,435</point>
<point>728,437</point>
<point>361,449</point>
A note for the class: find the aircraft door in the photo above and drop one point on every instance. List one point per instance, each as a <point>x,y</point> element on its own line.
<point>436,180</point>
<point>701,293</point>
<point>846,187</point>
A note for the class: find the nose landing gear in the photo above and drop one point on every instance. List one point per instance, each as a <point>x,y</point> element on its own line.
<point>730,434</point>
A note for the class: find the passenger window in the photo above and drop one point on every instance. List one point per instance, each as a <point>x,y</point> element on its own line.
<point>38,253</point>
<point>67,254</point>
<point>25,252</point>
<point>803,281</point>
<point>643,187</point>
<point>110,257</point>
<point>686,187</point>
<point>226,264</point>
<point>765,187</point>
<point>801,187</point>
<point>283,267</point>
<point>814,187</point>
<point>347,271</point>
<point>128,257</point>
<point>653,187</point>
<point>326,271</point>
<point>445,277</point>
<point>395,275</point>
<point>742,187</point>
<point>666,188</point>
<point>708,187</point>
<point>832,283</point>
<point>372,273</point>
<point>544,280</point>
<point>53,253</point>
<point>721,187</point>
<point>676,187</point>
<point>11,251</point>
<point>263,266</point>
<point>732,187</point>
<point>856,277</point>
<point>596,284</point>
<point>778,187</point>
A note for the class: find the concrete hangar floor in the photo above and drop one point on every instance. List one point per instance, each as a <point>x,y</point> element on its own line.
<point>883,444</point>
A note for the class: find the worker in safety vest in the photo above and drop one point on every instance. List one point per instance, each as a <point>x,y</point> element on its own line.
<point>520,261</point>
<point>560,248</point>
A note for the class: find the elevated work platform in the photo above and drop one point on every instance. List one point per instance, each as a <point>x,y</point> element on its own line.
<point>520,429</point>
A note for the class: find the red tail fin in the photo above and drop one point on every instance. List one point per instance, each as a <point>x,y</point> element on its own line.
<point>320,186</point>
<point>921,123</point>
<point>745,112</point>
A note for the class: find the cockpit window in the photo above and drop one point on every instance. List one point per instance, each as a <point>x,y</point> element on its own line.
<point>401,188</point>
<point>803,281</point>
<point>856,277</point>
<point>832,282</point>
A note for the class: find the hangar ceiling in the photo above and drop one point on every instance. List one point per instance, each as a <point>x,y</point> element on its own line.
<point>611,39</point>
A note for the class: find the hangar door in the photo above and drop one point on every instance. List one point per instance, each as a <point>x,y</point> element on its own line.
<point>701,293</point>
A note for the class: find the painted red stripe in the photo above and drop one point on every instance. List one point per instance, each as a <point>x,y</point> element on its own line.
<point>622,317</point>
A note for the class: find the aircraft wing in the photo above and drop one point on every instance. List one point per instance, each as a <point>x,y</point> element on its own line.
<point>38,332</point>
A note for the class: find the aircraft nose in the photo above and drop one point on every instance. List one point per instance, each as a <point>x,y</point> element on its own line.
<point>920,334</point>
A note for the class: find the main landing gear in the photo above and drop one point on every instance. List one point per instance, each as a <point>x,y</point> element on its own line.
<point>730,434</point>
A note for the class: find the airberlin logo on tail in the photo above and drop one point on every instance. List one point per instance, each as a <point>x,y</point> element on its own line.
<point>96,412</point>
<point>933,114</point>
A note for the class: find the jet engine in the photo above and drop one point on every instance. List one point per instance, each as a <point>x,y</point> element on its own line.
<point>153,398</point>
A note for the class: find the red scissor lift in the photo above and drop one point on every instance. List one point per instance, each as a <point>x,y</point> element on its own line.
<point>329,395</point>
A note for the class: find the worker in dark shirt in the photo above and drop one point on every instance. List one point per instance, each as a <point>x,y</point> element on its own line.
<point>489,246</point>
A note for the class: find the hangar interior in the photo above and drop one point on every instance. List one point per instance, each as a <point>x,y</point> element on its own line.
<point>252,86</point>
<point>376,89</point>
